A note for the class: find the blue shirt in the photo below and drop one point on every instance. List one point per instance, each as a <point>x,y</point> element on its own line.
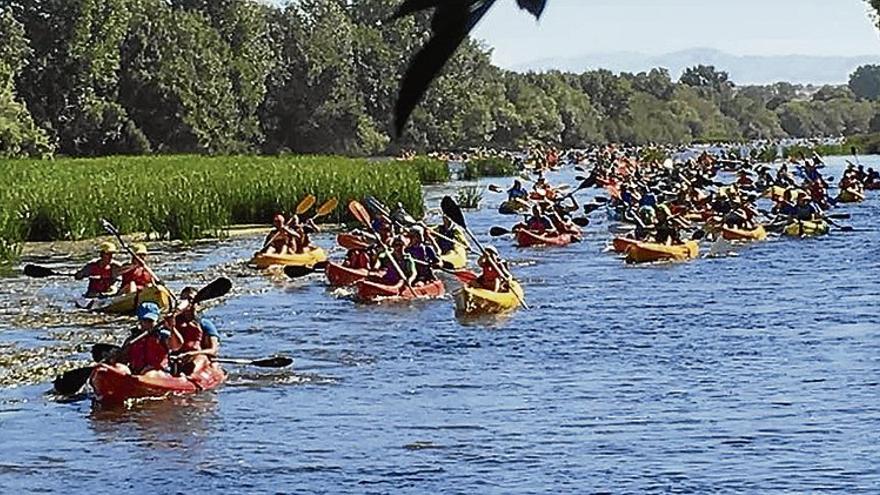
<point>209,328</point>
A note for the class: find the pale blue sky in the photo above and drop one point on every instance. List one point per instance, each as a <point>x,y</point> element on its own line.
<point>741,27</point>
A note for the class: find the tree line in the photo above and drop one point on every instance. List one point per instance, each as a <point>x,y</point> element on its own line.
<point>105,77</point>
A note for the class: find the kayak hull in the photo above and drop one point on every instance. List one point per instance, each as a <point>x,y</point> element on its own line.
<point>850,197</point>
<point>646,252</point>
<point>756,234</point>
<point>126,304</point>
<point>369,291</point>
<point>455,259</point>
<point>472,301</point>
<point>527,238</point>
<point>115,385</point>
<point>513,207</point>
<point>353,241</point>
<point>343,276</point>
<point>806,229</point>
<point>309,258</point>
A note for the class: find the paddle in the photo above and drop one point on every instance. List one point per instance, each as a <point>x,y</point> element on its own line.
<point>294,271</point>
<point>363,216</point>
<point>72,381</point>
<point>36,271</point>
<point>115,232</point>
<point>271,362</point>
<point>380,208</point>
<point>453,212</point>
<point>301,208</point>
<point>499,231</point>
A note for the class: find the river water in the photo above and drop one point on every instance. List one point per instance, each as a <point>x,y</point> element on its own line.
<point>758,373</point>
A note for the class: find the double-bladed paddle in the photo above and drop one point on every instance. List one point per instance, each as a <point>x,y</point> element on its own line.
<point>36,271</point>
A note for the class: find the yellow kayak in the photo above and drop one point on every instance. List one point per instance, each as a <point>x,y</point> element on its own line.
<point>850,196</point>
<point>756,234</point>
<point>455,259</point>
<point>646,252</point>
<point>311,257</point>
<point>806,229</point>
<point>127,303</point>
<point>471,301</point>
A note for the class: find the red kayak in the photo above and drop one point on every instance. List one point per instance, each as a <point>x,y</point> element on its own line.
<point>368,291</point>
<point>353,241</point>
<point>343,276</point>
<point>527,238</point>
<point>114,385</point>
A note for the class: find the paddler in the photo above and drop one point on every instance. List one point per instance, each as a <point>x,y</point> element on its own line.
<point>537,222</point>
<point>147,350</point>
<point>424,255</point>
<point>100,272</point>
<point>303,229</point>
<point>281,240</point>
<point>200,340</point>
<point>404,261</point>
<point>490,278</point>
<point>135,275</point>
<point>450,237</point>
<point>517,192</point>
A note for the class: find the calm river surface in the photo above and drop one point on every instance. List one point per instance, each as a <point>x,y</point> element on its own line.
<point>753,373</point>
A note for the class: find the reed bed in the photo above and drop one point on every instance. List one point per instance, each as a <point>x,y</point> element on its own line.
<point>182,197</point>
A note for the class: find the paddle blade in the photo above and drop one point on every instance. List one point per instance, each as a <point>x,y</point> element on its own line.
<point>101,352</point>
<point>327,208</point>
<point>215,289</point>
<point>306,204</point>
<point>360,212</point>
<point>600,199</point>
<point>298,271</point>
<point>698,235</point>
<point>495,189</point>
<point>73,381</point>
<point>451,209</point>
<point>581,221</point>
<point>35,271</point>
<point>376,206</point>
<point>498,231</point>
<point>273,362</point>
<point>839,216</point>
<point>466,277</point>
<point>590,208</point>
<point>321,265</point>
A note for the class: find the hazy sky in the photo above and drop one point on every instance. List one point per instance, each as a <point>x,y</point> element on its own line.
<point>742,27</point>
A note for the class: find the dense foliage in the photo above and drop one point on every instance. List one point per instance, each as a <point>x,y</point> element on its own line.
<point>182,197</point>
<point>110,77</point>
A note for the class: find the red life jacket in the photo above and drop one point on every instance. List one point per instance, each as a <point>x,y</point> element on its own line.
<point>146,354</point>
<point>139,275</point>
<point>191,333</point>
<point>488,277</point>
<point>100,277</point>
<point>357,259</point>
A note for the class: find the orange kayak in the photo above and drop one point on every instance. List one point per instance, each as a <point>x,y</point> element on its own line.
<point>343,276</point>
<point>353,241</point>
<point>368,291</point>
<point>527,238</point>
<point>646,252</point>
<point>113,385</point>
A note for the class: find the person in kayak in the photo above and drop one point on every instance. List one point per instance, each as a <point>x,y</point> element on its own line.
<point>517,192</point>
<point>494,271</point>
<point>424,256</point>
<point>303,230</point>
<point>135,275</point>
<point>100,272</point>
<point>281,240</point>
<point>200,340</point>
<point>537,222</point>
<point>449,236</point>
<point>148,348</point>
<point>391,275</point>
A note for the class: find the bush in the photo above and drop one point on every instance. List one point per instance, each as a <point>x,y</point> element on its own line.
<point>430,170</point>
<point>488,167</point>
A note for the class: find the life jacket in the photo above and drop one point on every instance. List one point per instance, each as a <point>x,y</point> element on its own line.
<point>148,353</point>
<point>100,278</point>
<point>538,224</point>
<point>139,275</point>
<point>357,259</point>
<point>488,277</point>
<point>191,333</point>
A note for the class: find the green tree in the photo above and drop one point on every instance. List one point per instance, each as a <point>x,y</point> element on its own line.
<point>865,82</point>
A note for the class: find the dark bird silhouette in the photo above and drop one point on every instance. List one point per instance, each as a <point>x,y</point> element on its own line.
<point>453,20</point>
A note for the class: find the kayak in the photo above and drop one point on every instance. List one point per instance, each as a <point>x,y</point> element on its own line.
<point>125,304</point>
<point>848,196</point>
<point>369,291</point>
<point>353,241</point>
<point>308,258</point>
<point>622,244</point>
<point>114,385</point>
<point>527,238</point>
<point>455,259</point>
<point>806,229</point>
<point>472,301</point>
<point>514,207</point>
<point>646,252</point>
<point>756,234</point>
<point>873,186</point>
<point>343,276</point>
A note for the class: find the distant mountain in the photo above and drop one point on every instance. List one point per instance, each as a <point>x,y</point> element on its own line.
<point>747,69</point>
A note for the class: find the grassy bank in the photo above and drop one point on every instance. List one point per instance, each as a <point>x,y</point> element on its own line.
<point>184,197</point>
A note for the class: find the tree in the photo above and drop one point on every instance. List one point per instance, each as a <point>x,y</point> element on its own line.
<point>865,82</point>
<point>706,77</point>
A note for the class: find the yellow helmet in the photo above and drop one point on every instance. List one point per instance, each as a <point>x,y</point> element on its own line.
<point>107,247</point>
<point>140,249</point>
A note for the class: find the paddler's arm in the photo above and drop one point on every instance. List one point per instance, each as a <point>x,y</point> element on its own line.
<point>83,272</point>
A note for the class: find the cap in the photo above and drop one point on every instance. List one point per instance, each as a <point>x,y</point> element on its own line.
<point>107,247</point>
<point>148,311</point>
<point>140,249</point>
